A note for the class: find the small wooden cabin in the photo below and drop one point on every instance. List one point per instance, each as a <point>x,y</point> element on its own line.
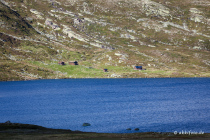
<point>105,70</point>
<point>61,63</point>
<point>137,67</point>
<point>73,63</point>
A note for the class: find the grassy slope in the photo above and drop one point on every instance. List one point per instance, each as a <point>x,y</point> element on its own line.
<point>28,54</point>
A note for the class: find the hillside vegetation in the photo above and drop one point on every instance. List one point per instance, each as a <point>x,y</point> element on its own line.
<point>168,38</point>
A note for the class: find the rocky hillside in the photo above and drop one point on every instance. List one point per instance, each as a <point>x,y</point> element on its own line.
<point>168,38</point>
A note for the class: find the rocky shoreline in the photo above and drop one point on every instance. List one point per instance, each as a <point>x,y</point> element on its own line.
<point>99,78</point>
<point>10,131</point>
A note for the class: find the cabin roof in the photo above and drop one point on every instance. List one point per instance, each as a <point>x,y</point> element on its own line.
<point>138,67</point>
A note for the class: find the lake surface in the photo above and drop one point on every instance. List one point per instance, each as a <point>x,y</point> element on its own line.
<point>109,105</point>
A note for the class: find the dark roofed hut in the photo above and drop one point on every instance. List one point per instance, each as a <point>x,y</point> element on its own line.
<point>73,63</point>
<point>61,63</point>
<point>105,70</point>
<point>138,68</point>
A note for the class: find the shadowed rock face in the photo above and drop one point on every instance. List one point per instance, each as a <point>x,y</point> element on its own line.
<point>167,37</point>
<point>86,124</point>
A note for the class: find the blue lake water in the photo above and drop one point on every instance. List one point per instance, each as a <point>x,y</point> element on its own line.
<point>109,105</point>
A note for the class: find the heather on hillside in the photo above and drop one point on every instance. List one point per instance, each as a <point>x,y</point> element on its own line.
<point>166,38</point>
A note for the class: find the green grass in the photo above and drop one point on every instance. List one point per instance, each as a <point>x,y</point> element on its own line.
<point>71,71</point>
<point>79,71</point>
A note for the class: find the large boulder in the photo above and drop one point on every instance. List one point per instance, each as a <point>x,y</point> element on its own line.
<point>86,124</point>
<point>7,122</point>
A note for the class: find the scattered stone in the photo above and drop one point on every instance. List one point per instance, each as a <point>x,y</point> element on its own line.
<point>86,124</point>
<point>128,129</point>
<point>7,122</point>
<point>151,46</point>
<point>115,75</point>
<point>154,8</point>
<point>49,22</point>
<point>29,19</point>
<point>38,14</point>
<point>118,54</point>
<point>197,47</point>
<point>127,36</point>
<point>196,15</point>
<point>195,10</point>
